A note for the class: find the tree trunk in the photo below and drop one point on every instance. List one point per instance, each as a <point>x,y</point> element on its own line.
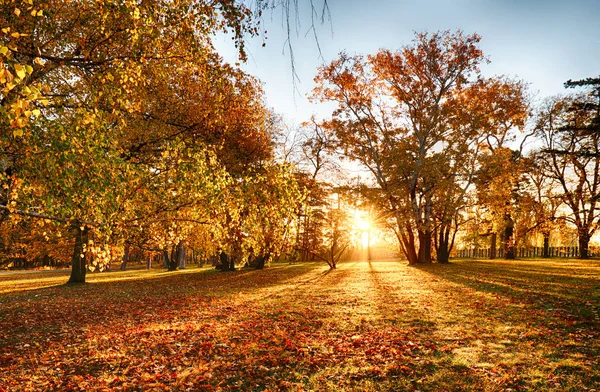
<point>165,258</point>
<point>223,261</point>
<point>78,264</point>
<point>546,250</point>
<point>259,262</point>
<point>125,258</point>
<point>509,247</point>
<point>408,246</point>
<point>493,245</point>
<point>173,259</point>
<point>443,250</point>
<point>584,241</point>
<point>170,262</point>
<point>424,247</point>
<point>181,255</point>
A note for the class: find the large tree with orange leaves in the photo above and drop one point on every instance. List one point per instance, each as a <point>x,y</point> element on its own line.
<point>417,119</point>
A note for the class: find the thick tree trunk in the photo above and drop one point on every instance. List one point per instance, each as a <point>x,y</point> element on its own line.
<point>181,254</point>
<point>223,261</point>
<point>125,258</point>
<point>259,262</point>
<point>408,246</point>
<point>78,264</point>
<point>493,239</point>
<point>170,261</point>
<point>509,247</point>
<point>173,259</point>
<point>546,250</point>
<point>165,258</point>
<point>584,241</point>
<point>443,249</point>
<point>424,247</point>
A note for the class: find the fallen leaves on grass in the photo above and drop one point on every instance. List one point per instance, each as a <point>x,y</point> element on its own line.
<point>367,326</point>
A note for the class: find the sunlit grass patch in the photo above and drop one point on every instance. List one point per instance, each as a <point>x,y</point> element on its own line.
<point>380,326</point>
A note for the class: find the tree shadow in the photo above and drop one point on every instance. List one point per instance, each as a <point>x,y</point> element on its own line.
<point>548,287</point>
<point>51,311</point>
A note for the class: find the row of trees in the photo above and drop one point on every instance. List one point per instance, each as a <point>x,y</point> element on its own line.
<point>438,139</point>
<point>121,126</point>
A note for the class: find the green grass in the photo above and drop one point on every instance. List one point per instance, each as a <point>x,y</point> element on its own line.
<point>379,326</point>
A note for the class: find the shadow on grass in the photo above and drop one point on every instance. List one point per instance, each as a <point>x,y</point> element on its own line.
<point>54,310</point>
<point>543,286</point>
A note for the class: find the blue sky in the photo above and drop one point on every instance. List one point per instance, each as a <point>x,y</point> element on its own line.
<point>544,42</point>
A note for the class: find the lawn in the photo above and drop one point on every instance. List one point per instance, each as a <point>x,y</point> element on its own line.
<point>368,326</point>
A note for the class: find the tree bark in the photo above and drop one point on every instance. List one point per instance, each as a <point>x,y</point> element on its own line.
<point>443,249</point>
<point>181,254</point>
<point>165,258</point>
<point>493,240</point>
<point>546,250</point>
<point>259,261</point>
<point>173,259</point>
<point>78,263</point>
<point>408,246</point>
<point>509,248</point>
<point>584,241</point>
<point>170,261</point>
<point>125,258</point>
<point>424,247</point>
<point>223,261</point>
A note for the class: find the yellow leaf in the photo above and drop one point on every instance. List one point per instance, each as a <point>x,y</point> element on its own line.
<point>20,71</point>
<point>29,69</point>
<point>40,13</point>
<point>38,61</point>
<point>36,112</point>
<point>3,50</point>
<point>18,133</point>
<point>15,35</point>
<point>6,30</point>
<point>17,11</point>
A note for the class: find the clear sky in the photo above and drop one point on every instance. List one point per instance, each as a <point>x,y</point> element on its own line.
<point>543,42</point>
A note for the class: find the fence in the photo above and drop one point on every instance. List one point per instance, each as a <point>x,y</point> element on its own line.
<point>534,251</point>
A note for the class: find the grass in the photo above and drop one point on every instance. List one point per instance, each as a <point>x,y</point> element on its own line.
<point>378,326</point>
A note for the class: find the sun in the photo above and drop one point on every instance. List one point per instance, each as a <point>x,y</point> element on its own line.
<point>362,223</point>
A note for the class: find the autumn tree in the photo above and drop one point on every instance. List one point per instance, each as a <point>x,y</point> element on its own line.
<point>567,127</point>
<point>405,114</point>
<point>73,77</point>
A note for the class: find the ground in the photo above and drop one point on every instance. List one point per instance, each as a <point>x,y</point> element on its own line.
<point>367,326</point>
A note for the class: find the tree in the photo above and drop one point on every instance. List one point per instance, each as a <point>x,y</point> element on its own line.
<point>397,111</point>
<point>74,89</point>
<point>567,127</point>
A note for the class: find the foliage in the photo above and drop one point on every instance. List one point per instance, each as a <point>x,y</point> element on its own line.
<point>120,122</point>
<point>417,119</point>
<point>570,157</point>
